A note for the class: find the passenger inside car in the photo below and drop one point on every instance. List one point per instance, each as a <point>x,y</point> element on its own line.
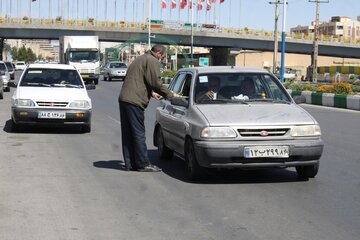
<point>210,93</point>
<point>248,87</point>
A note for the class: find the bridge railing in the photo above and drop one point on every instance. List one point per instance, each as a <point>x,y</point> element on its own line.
<point>198,28</point>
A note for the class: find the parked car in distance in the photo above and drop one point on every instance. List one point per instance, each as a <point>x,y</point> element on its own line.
<point>115,69</point>
<point>11,69</point>
<point>20,65</point>
<point>5,75</point>
<point>233,117</point>
<point>51,94</point>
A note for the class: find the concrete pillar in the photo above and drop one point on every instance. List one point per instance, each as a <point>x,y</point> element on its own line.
<point>222,57</point>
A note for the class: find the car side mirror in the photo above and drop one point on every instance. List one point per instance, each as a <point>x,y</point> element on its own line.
<point>12,84</point>
<point>90,86</point>
<point>180,101</point>
<point>299,99</point>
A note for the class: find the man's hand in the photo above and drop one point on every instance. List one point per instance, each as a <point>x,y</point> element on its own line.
<point>156,95</point>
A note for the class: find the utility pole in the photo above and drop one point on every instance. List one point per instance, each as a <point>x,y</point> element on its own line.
<point>276,44</point>
<point>282,70</point>
<point>316,36</point>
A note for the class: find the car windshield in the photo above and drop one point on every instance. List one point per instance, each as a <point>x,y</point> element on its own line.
<point>3,67</point>
<point>239,88</point>
<point>51,78</point>
<point>117,65</point>
<point>9,66</point>
<point>83,56</point>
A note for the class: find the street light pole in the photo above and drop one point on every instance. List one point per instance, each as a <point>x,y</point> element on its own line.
<point>192,32</point>
<point>316,36</point>
<point>276,44</point>
<point>283,43</point>
<point>149,24</point>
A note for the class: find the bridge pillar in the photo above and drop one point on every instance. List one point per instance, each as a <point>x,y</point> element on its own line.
<point>1,48</point>
<point>222,57</point>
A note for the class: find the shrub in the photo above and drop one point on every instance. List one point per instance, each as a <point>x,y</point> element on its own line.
<point>168,73</point>
<point>308,87</point>
<point>325,88</point>
<point>342,88</point>
<point>357,82</point>
<point>356,88</point>
<point>296,87</point>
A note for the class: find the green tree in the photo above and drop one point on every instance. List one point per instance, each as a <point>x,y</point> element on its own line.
<point>13,52</point>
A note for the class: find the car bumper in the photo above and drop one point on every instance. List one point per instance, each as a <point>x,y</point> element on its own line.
<point>119,75</point>
<point>30,116</point>
<point>231,154</point>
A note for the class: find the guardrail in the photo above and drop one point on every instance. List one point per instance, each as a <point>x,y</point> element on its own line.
<point>198,29</point>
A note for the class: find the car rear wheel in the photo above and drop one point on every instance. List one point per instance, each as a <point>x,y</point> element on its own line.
<point>192,167</point>
<point>163,150</point>
<point>307,171</point>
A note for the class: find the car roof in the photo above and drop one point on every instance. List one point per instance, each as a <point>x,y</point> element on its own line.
<point>51,66</point>
<point>227,69</point>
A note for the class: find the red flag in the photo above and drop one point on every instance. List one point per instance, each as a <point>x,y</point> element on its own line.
<point>173,4</point>
<point>163,4</point>
<point>213,1</point>
<point>199,6</point>
<point>221,1</point>
<point>208,6</point>
<point>190,4</point>
<point>182,4</point>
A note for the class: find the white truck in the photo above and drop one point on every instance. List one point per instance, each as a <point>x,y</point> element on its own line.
<point>83,53</point>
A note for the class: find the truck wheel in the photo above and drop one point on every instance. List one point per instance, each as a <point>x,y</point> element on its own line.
<point>96,81</point>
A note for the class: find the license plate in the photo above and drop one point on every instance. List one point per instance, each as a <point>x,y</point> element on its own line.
<point>266,152</point>
<point>52,115</point>
<point>85,75</point>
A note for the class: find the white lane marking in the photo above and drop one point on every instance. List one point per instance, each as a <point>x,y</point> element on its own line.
<point>115,120</point>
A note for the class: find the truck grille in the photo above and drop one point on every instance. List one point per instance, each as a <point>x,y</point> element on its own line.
<point>263,132</point>
<point>52,104</point>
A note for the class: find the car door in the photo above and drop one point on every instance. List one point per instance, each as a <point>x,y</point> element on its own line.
<point>176,115</point>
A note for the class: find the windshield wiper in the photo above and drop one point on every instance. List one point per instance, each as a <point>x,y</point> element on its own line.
<point>36,84</point>
<point>268,100</point>
<point>66,85</point>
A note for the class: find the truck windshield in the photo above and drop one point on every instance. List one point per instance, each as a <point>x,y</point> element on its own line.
<point>83,56</point>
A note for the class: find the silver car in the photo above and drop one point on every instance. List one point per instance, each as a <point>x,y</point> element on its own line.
<point>233,117</point>
<point>115,69</point>
<point>5,75</point>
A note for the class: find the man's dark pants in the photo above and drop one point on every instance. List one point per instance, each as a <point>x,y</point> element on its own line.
<point>133,135</point>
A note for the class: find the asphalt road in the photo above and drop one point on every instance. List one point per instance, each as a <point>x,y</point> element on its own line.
<point>62,184</point>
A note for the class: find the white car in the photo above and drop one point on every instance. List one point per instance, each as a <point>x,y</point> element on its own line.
<point>20,65</point>
<point>5,76</point>
<point>51,94</point>
<point>115,69</point>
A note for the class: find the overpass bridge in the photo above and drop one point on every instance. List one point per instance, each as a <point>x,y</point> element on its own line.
<point>221,40</point>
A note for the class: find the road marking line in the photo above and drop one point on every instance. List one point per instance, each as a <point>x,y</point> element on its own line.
<point>115,120</point>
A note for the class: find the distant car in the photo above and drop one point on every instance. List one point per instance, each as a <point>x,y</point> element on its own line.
<point>5,75</point>
<point>115,69</point>
<point>20,65</point>
<point>233,117</point>
<point>11,69</point>
<point>51,94</point>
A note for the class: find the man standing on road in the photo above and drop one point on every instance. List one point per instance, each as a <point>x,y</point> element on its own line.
<point>142,81</point>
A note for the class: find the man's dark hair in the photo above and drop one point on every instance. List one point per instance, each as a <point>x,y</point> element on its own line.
<point>158,48</point>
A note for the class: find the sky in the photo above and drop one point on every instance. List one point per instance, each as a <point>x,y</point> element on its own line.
<point>253,14</point>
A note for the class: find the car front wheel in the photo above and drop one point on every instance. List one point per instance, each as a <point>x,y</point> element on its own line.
<point>307,171</point>
<point>192,167</point>
<point>163,150</point>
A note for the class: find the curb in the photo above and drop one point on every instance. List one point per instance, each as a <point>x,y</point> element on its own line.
<point>329,99</point>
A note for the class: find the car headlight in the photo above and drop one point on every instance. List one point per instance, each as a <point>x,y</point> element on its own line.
<point>79,104</point>
<point>24,103</point>
<point>218,132</point>
<point>306,131</point>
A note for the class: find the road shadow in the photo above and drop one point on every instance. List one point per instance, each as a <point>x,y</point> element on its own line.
<point>43,129</point>
<point>111,164</point>
<point>175,168</point>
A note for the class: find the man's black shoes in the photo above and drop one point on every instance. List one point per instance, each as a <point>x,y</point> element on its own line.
<point>150,168</point>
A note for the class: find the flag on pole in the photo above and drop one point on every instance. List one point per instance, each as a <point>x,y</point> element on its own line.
<point>208,5</point>
<point>199,6</point>
<point>190,4</point>
<point>173,4</point>
<point>163,3</point>
<point>182,4</point>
